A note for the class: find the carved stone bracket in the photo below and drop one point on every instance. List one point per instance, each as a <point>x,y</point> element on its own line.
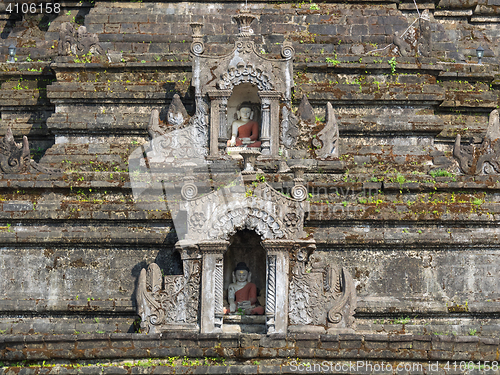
<point>482,158</point>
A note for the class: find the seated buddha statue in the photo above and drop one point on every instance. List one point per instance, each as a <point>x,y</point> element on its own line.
<point>242,294</point>
<point>245,131</point>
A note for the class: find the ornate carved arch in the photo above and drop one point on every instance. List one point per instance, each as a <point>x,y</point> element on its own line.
<point>245,73</point>
<point>228,221</point>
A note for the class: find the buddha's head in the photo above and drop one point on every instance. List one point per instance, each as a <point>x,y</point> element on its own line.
<point>245,111</point>
<point>241,272</point>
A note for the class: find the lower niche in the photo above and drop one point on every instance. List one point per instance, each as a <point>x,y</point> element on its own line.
<point>245,247</point>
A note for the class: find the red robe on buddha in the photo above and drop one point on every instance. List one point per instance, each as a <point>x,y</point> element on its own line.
<point>249,130</point>
<point>249,293</point>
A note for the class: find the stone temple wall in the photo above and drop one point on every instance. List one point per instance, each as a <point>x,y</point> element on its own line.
<point>418,232</point>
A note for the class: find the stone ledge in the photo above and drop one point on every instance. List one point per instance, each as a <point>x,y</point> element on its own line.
<point>16,347</point>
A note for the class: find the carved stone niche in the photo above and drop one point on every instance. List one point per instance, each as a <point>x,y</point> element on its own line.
<point>322,296</point>
<point>195,300</point>
<point>267,82</point>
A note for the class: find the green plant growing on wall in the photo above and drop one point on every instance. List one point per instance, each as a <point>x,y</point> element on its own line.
<point>392,62</point>
<point>333,61</point>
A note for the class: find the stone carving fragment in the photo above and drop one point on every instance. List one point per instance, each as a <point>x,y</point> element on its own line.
<point>305,111</point>
<point>177,114</point>
<point>176,140</point>
<point>326,141</point>
<point>485,157</point>
<point>320,293</point>
<point>177,117</point>
<point>403,46</point>
<point>14,158</point>
<point>175,305</point>
<point>425,40</point>
<point>77,41</point>
<point>290,127</point>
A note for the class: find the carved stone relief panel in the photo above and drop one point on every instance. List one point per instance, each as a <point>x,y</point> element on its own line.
<point>77,41</point>
<point>321,294</point>
<point>170,301</point>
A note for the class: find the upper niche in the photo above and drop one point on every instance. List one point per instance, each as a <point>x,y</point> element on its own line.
<point>241,76</point>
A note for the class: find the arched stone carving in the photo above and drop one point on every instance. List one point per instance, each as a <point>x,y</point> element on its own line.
<point>220,214</point>
<point>243,73</point>
<point>264,223</point>
<point>218,75</point>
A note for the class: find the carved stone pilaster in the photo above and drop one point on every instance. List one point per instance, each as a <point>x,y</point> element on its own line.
<point>265,134</point>
<point>270,122</point>
<point>212,285</point>
<point>218,121</point>
<point>277,284</point>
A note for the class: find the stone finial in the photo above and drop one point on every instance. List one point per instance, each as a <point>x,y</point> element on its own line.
<point>14,158</point>
<point>189,190</point>
<point>177,114</point>
<point>244,20</point>
<point>305,111</point>
<point>326,141</point>
<point>196,28</point>
<point>197,46</point>
<point>299,191</point>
